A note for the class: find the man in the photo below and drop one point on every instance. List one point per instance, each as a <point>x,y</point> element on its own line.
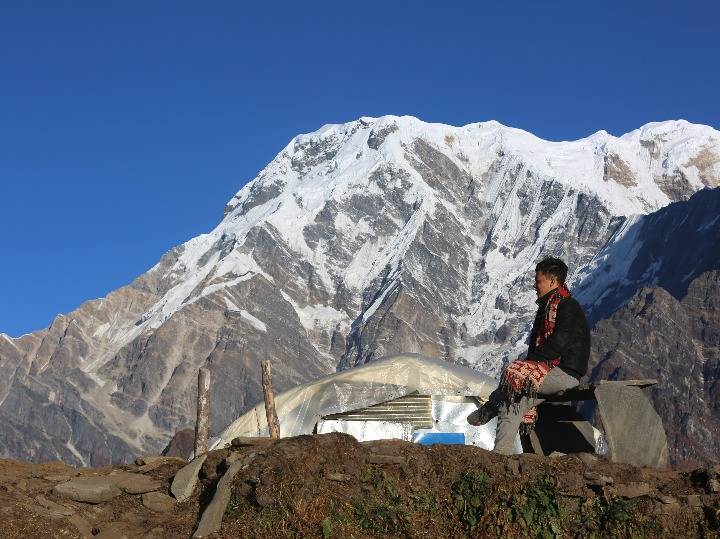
<point>556,360</point>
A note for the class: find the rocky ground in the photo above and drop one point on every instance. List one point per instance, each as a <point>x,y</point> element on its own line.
<point>333,486</point>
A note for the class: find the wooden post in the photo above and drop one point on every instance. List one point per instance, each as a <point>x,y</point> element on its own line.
<point>272,418</point>
<point>203,412</point>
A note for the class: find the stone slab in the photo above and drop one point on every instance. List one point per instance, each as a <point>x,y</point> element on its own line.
<point>95,489</point>
<point>158,502</point>
<point>135,483</point>
<point>49,504</point>
<point>185,480</point>
<point>634,430</point>
<point>211,519</point>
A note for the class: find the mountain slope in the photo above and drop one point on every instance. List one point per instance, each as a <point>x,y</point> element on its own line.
<point>668,248</point>
<point>356,241</point>
<point>678,343</point>
<point>659,280</point>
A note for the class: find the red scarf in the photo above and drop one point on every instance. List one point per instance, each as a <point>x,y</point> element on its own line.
<point>524,377</point>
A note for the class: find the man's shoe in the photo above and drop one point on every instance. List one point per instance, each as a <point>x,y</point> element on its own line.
<point>483,414</point>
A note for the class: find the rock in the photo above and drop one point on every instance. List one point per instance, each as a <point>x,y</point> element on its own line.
<point>556,454</point>
<point>233,457</point>
<point>512,466</point>
<point>713,485</point>
<point>181,445</point>
<point>668,500</point>
<point>43,511</point>
<point>571,483</point>
<point>134,483</point>
<point>589,459</point>
<point>51,505</point>
<point>158,502</point>
<point>694,500</point>
<point>211,519</point>
<point>340,477</point>
<point>597,480</point>
<point>82,525</point>
<point>622,408</point>
<point>632,490</point>
<point>185,480</point>
<point>95,489</point>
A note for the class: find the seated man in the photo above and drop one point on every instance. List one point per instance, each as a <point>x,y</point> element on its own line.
<point>556,360</point>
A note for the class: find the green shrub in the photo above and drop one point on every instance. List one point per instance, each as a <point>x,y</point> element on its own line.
<point>469,494</point>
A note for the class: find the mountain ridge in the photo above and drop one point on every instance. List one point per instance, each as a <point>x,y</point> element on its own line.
<point>356,241</point>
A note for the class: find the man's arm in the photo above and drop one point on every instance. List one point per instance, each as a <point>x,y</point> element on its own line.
<point>556,344</point>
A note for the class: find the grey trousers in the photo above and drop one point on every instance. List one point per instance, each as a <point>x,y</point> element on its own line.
<point>510,415</point>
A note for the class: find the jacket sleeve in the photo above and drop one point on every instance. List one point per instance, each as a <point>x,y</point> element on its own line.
<point>556,344</point>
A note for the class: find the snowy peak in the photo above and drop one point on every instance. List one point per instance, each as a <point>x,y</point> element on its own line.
<point>358,240</point>
<point>643,162</point>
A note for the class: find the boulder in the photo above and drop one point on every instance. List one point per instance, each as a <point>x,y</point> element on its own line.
<point>134,483</point>
<point>158,502</point>
<point>211,519</point>
<point>633,490</point>
<point>185,480</point>
<point>95,489</point>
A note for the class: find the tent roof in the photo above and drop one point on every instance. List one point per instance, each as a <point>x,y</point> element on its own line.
<point>301,407</point>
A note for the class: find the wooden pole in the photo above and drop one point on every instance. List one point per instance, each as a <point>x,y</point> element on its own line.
<point>203,412</point>
<point>272,418</point>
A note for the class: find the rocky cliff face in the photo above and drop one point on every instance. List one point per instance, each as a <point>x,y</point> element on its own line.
<point>356,241</point>
<point>668,248</point>
<point>660,279</point>
<point>677,342</point>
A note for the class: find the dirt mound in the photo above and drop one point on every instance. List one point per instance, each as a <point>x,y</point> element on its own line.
<point>333,486</point>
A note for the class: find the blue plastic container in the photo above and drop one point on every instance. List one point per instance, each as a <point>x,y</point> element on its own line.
<point>429,438</point>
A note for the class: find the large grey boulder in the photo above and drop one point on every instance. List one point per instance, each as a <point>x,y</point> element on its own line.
<point>96,489</point>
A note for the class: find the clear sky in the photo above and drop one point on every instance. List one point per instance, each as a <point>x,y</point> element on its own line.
<point>125,127</point>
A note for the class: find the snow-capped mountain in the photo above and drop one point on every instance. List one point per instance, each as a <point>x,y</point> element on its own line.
<point>356,241</point>
<point>668,248</point>
<point>654,291</point>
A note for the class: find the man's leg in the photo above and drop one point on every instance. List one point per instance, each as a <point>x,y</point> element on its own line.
<point>510,415</point>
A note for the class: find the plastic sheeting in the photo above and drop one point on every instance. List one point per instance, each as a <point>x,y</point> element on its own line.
<point>301,408</point>
<point>368,430</point>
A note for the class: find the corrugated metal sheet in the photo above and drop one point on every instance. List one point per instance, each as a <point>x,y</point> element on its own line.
<point>413,409</point>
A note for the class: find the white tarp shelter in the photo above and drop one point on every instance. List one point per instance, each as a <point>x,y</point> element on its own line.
<point>452,392</point>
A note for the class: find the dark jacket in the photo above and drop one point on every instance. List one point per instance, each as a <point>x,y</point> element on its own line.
<point>570,340</point>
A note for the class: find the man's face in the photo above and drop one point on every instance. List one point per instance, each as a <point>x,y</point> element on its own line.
<point>544,283</point>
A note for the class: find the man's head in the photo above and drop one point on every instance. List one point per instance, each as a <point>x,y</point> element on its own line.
<point>549,274</point>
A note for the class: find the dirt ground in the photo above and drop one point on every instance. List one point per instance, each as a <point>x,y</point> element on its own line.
<point>333,486</point>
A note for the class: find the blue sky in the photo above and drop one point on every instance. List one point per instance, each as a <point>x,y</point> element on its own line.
<point>126,127</point>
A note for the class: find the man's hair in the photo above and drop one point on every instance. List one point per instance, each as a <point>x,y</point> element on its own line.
<point>554,267</point>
